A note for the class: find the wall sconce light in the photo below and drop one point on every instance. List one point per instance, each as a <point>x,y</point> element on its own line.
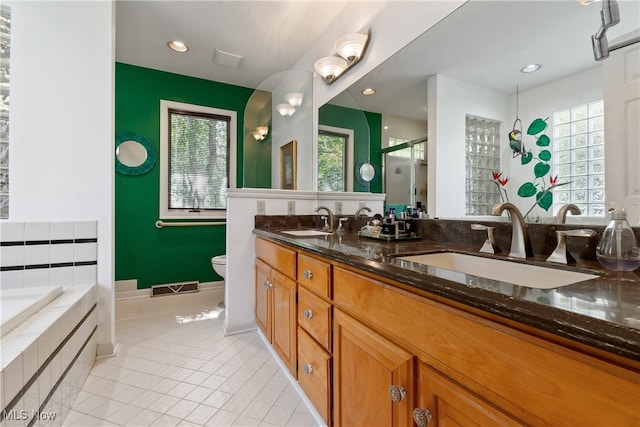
<point>294,99</point>
<point>260,133</point>
<point>285,109</point>
<point>351,48</point>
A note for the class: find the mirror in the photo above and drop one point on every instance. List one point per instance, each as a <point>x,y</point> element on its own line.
<point>135,154</point>
<point>447,72</point>
<point>367,172</point>
<point>131,153</point>
<point>283,104</point>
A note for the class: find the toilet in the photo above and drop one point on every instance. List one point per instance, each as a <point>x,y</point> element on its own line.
<point>219,264</point>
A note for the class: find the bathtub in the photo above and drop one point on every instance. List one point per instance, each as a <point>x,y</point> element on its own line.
<point>47,348</point>
<point>17,305</point>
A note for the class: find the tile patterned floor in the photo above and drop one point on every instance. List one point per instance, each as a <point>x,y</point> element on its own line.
<point>175,367</point>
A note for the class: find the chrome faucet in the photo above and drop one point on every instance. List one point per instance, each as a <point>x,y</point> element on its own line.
<point>331,217</point>
<point>561,216</point>
<point>362,209</point>
<point>520,243</point>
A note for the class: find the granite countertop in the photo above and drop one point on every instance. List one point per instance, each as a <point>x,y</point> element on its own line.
<point>603,313</point>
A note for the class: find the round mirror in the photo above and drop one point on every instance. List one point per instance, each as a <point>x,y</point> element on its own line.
<point>367,172</point>
<point>131,153</point>
<point>135,154</point>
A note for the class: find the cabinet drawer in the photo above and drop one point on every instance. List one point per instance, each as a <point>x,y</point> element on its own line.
<point>278,257</point>
<point>314,373</point>
<point>314,315</point>
<point>315,275</point>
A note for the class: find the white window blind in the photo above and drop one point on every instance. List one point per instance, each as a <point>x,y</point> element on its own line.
<point>197,153</point>
<point>199,160</point>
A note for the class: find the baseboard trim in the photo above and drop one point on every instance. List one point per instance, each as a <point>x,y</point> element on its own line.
<point>107,351</point>
<point>239,328</point>
<point>146,293</point>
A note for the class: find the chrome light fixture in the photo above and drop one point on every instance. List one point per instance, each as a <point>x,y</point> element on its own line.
<point>609,16</point>
<point>350,49</point>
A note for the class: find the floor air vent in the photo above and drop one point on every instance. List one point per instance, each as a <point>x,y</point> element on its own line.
<point>174,288</point>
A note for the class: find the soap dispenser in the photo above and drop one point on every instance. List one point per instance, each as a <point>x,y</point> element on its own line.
<point>618,247</point>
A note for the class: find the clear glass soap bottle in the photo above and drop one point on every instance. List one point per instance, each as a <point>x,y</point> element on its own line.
<point>618,247</point>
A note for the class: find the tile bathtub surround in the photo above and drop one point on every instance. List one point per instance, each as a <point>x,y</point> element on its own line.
<point>48,253</point>
<point>176,367</point>
<point>46,359</point>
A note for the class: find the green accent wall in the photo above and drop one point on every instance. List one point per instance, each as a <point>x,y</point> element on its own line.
<point>367,132</point>
<point>173,254</point>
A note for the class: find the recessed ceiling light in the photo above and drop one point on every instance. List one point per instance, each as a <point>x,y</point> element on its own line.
<point>530,68</point>
<point>368,91</point>
<point>386,127</point>
<point>177,46</point>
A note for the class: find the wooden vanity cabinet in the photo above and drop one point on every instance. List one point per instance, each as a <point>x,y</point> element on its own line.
<point>314,332</point>
<point>373,377</point>
<point>470,365</point>
<point>442,402</point>
<point>275,305</point>
<point>372,352</point>
<point>314,373</point>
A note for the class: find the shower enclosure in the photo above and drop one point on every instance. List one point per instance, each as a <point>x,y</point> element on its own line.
<point>405,173</point>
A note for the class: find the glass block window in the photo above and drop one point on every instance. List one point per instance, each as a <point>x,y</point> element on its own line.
<point>5,44</point>
<point>481,159</point>
<point>578,146</point>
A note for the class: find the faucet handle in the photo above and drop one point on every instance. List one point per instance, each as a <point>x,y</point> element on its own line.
<point>561,254</point>
<point>490,245</point>
<point>340,221</point>
<point>326,224</point>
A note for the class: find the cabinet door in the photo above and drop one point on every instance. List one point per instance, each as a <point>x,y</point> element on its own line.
<point>284,318</point>
<point>263,297</point>
<point>441,402</point>
<point>366,367</point>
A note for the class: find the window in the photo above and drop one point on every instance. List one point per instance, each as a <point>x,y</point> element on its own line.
<point>198,146</point>
<point>481,159</point>
<point>335,159</point>
<point>578,148</point>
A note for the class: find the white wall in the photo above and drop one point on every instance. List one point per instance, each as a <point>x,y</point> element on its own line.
<point>61,129</point>
<point>242,208</point>
<point>449,102</point>
<point>299,127</point>
<point>541,102</point>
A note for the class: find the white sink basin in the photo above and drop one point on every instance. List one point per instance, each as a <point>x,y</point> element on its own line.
<point>532,276</point>
<point>307,233</point>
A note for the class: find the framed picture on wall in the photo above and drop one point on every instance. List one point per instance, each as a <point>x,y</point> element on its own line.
<point>288,160</point>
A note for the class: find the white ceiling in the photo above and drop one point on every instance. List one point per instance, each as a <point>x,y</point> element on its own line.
<point>483,42</point>
<point>270,35</point>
